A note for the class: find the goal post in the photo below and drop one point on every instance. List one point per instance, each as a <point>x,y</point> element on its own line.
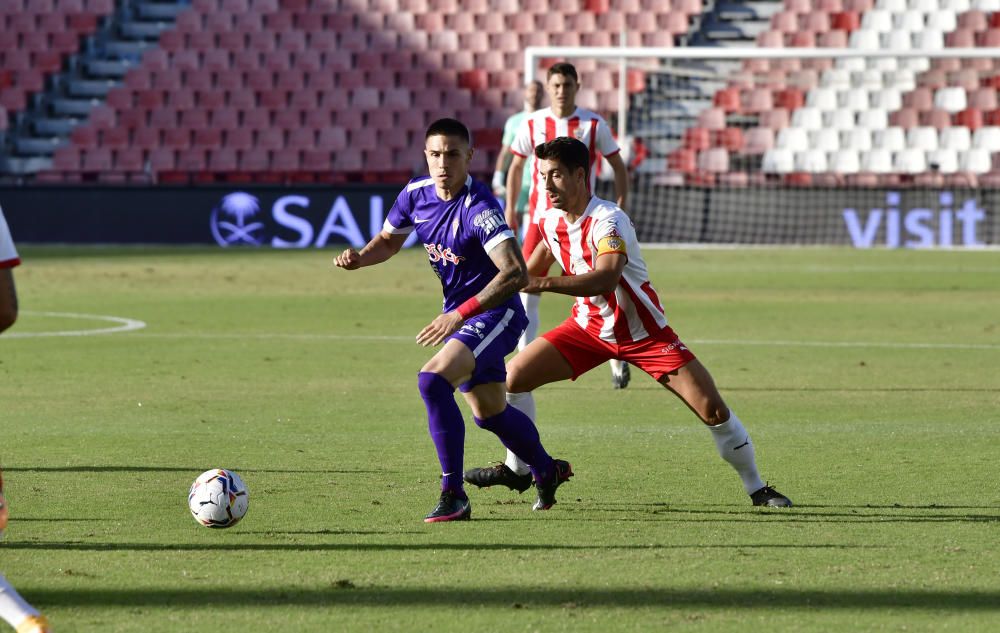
<point>800,146</point>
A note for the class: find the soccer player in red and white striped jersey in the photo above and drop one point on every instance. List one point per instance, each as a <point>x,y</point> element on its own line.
<point>8,260</point>
<point>13,608</point>
<point>562,118</point>
<point>617,314</point>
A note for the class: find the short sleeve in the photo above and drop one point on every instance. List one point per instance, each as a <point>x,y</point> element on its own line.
<point>608,236</point>
<point>489,226</point>
<point>521,144</point>
<point>8,254</point>
<point>606,143</point>
<point>398,220</point>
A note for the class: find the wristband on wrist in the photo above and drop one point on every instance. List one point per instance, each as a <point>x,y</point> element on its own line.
<point>470,308</point>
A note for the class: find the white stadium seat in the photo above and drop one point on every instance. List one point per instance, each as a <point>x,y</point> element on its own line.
<point>808,118</point>
<point>827,139</point>
<point>899,40</point>
<point>878,20</point>
<point>778,161</point>
<point>950,99</point>
<point>929,39</point>
<point>873,119</point>
<point>836,78</point>
<point>958,6</point>
<point>915,64</point>
<point>924,6</point>
<point>887,99</point>
<point>893,6</point>
<point>845,161</point>
<point>795,139</point>
<point>858,139</point>
<point>910,161</point>
<point>877,161</point>
<point>923,137</point>
<point>812,161</point>
<point>855,99</point>
<point>852,63</point>
<point>987,138</point>
<point>891,138</point>
<point>911,20</point>
<point>822,98</point>
<point>958,138</point>
<point>944,161</point>
<point>842,119</point>
<point>986,5</point>
<point>864,39</point>
<point>944,19</point>
<point>902,79</point>
<point>976,161</point>
<point>869,79</point>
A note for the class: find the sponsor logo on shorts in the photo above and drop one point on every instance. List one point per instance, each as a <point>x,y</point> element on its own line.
<point>476,329</point>
<point>676,345</point>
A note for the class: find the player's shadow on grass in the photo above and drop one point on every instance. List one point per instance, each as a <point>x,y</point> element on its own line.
<point>181,469</point>
<point>405,547</point>
<point>800,514</point>
<point>345,593</point>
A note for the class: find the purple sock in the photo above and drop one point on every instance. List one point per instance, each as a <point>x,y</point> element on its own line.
<point>447,427</point>
<point>518,433</point>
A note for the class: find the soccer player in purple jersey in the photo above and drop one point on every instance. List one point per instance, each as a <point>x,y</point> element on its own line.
<point>474,254</point>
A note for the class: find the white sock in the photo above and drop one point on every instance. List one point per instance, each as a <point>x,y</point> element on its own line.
<point>531,302</point>
<point>13,608</point>
<point>734,445</point>
<point>617,366</point>
<point>525,403</point>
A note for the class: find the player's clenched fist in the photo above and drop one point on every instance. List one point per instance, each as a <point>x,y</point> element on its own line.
<point>350,259</point>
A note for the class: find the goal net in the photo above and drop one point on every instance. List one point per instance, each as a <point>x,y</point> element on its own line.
<point>870,148</point>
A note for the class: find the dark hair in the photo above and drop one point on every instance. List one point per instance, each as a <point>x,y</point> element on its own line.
<point>565,69</point>
<point>449,127</point>
<point>570,152</point>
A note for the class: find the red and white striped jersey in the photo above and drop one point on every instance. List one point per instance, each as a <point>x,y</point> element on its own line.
<point>8,254</point>
<point>633,311</point>
<point>542,126</point>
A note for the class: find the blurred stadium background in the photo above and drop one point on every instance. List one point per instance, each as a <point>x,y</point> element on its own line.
<point>336,93</point>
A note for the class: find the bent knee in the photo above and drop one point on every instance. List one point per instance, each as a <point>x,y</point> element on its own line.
<point>7,318</point>
<point>715,414</point>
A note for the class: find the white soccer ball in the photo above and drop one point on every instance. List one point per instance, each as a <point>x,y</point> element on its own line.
<point>218,498</point>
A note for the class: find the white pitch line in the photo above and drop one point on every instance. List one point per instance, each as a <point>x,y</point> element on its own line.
<point>376,337</point>
<point>124,325</point>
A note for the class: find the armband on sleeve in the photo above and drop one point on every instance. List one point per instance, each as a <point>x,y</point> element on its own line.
<point>611,244</point>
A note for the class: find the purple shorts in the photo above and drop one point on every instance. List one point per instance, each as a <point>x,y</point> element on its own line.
<point>491,336</point>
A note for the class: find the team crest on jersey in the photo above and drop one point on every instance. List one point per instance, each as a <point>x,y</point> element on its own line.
<point>489,220</point>
<point>579,133</point>
<point>440,253</point>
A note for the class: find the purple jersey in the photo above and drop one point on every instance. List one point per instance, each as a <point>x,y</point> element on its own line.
<point>457,234</point>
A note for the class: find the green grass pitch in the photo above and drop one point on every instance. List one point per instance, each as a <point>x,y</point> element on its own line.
<point>870,381</point>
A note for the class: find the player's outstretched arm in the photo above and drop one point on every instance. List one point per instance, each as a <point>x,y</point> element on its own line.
<point>382,247</point>
<point>511,276</point>
<point>514,175</point>
<point>621,178</point>
<point>8,299</point>
<point>600,281</point>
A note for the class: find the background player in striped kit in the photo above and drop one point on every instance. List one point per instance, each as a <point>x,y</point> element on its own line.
<point>562,118</point>
<point>617,314</point>
<point>13,608</point>
<point>474,255</point>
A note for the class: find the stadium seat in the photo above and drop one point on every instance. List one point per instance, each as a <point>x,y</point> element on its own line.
<point>910,161</point>
<point>811,161</point>
<point>825,139</point>
<point>714,160</point>
<point>778,161</point>
<point>793,138</point>
<point>808,118</point>
<point>845,161</point>
<point>971,118</point>
<point>877,161</point>
<point>950,99</point>
<point>924,138</point>
<point>890,138</point>
<point>987,138</point>
<point>976,161</point>
<point>858,139</point>
<point>758,140</point>
<point>943,160</point>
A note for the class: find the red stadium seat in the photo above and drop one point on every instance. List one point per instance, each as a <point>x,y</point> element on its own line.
<point>697,138</point>
<point>971,118</point>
